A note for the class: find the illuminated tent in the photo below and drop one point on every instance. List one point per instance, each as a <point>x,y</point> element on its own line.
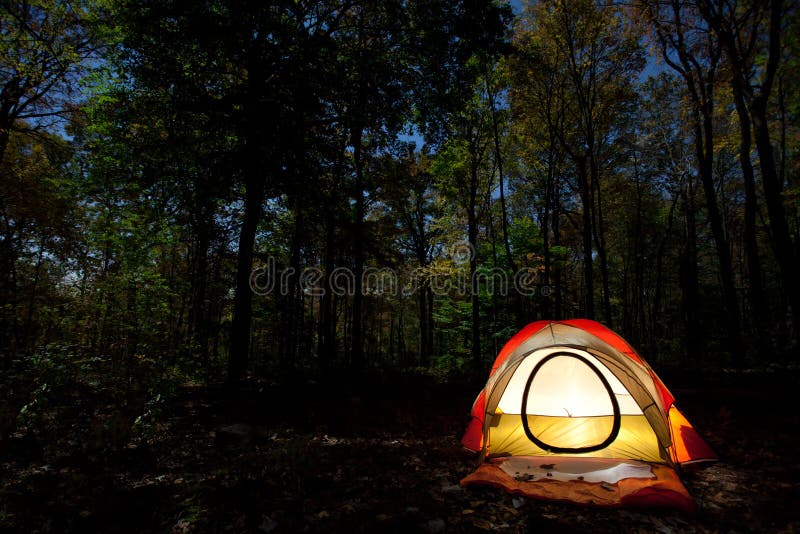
<point>571,412</point>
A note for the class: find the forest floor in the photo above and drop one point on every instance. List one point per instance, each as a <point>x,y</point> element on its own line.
<point>381,457</point>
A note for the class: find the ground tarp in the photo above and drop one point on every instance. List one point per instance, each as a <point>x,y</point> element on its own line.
<point>592,481</point>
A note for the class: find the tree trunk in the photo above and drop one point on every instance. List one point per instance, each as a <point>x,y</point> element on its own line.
<point>655,323</point>
<point>546,257</point>
<point>601,241</point>
<point>216,307</point>
<point>688,278</point>
<point>498,157</point>
<point>758,308</point>
<point>773,188</point>
<point>243,298</point>
<point>326,331</point>
<point>198,319</point>
<point>586,201</point>
<point>30,332</point>
<point>431,326</point>
<point>744,92</point>
<point>557,268</point>
<point>492,289</point>
<point>545,228</point>
<point>639,331</point>
<point>4,137</point>
<point>292,308</point>
<point>704,145</point>
<point>423,353</point>
<point>472,236</point>
<point>357,351</point>
<point>416,226</point>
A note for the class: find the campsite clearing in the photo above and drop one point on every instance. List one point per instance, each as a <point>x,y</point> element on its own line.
<point>388,460</point>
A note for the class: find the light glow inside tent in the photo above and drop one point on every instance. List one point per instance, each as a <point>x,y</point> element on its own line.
<point>570,412</point>
<point>565,386</point>
<point>568,406</point>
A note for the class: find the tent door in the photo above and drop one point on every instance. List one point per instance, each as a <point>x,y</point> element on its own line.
<point>553,360</point>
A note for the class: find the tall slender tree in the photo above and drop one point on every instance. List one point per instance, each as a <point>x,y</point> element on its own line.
<point>748,31</point>
<point>595,53</point>
<point>691,49</point>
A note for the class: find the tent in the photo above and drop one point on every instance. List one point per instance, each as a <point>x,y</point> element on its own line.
<point>571,412</point>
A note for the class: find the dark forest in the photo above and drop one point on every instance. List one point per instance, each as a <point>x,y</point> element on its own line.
<point>257,258</point>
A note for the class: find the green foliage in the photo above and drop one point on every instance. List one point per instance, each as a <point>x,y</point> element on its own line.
<point>30,412</point>
<point>119,241</point>
<point>451,318</point>
<point>144,425</point>
<point>43,53</point>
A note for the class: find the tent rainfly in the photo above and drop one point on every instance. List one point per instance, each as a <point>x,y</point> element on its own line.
<point>571,412</point>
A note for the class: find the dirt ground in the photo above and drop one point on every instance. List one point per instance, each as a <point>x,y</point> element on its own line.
<point>382,458</point>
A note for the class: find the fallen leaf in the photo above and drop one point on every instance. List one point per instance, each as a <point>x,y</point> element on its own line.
<point>267,524</point>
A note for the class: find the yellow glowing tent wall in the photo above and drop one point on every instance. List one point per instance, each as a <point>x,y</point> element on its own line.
<point>566,403</point>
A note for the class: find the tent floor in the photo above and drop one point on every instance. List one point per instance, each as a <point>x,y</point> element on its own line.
<point>591,481</point>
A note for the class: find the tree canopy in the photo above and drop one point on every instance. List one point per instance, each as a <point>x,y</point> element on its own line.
<point>630,163</point>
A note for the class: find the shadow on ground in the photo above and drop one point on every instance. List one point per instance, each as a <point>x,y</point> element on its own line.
<point>382,457</point>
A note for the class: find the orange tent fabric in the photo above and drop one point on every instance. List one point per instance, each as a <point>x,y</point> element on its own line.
<point>644,423</point>
<point>688,446</point>
<point>664,490</point>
